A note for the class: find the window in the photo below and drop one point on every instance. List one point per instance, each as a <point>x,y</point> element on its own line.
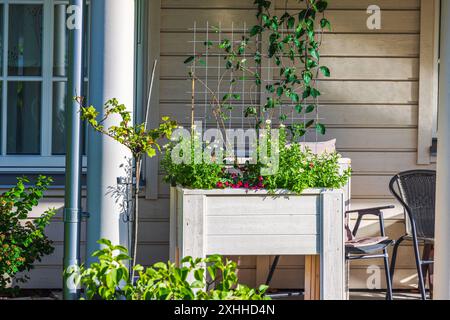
<point>33,84</point>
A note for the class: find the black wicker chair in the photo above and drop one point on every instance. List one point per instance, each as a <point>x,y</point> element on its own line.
<point>416,191</point>
<point>369,247</point>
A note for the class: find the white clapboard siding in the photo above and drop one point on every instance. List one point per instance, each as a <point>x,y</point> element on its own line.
<point>335,45</point>
<point>334,115</point>
<point>248,4</point>
<point>370,103</point>
<point>182,20</point>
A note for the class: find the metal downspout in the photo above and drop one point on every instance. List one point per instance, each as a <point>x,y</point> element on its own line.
<point>72,208</point>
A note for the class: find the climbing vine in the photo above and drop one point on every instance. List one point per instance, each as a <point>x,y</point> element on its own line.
<point>292,43</point>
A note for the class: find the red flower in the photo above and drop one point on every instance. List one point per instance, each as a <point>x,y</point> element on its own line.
<point>311,165</point>
<point>220,185</point>
<point>246,185</point>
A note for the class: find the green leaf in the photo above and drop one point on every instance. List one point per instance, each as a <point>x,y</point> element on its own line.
<point>313,52</point>
<point>325,71</point>
<point>105,242</point>
<point>307,93</point>
<point>270,88</point>
<point>189,60</point>
<point>321,128</point>
<point>212,272</point>
<point>280,91</point>
<point>250,111</point>
<point>226,97</point>
<point>270,103</point>
<point>160,265</point>
<point>299,108</point>
<point>325,23</point>
<point>307,77</point>
<point>122,257</point>
<point>291,23</point>
<point>310,108</point>
<point>315,93</point>
<point>321,6</point>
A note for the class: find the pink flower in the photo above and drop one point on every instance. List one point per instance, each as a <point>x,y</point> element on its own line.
<point>246,185</point>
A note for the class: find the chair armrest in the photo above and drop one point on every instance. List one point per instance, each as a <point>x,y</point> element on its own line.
<point>373,211</point>
<point>378,211</point>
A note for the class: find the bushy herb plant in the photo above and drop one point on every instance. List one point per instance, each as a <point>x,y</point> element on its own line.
<point>300,169</point>
<point>212,278</point>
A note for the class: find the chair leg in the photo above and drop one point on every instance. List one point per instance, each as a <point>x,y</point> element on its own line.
<point>431,273</point>
<point>272,270</point>
<point>426,267</point>
<point>394,257</point>
<point>419,269</point>
<point>389,295</point>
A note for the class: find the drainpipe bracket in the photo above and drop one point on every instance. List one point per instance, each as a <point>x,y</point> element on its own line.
<point>85,215</point>
<point>72,215</point>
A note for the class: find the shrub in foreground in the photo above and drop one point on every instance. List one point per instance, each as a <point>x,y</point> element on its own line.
<point>22,240</point>
<point>212,278</point>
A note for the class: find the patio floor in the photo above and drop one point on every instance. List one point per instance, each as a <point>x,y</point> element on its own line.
<point>362,295</point>
<point>354,295</point>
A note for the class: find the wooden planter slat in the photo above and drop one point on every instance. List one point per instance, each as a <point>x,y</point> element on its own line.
<point>240,222</point>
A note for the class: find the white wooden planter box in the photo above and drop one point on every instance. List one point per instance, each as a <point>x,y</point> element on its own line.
<point>240,222</point>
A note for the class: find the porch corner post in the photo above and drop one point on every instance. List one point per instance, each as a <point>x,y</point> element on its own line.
<point>111,75</point>
<point>442,246</point>
<point>72,201</point>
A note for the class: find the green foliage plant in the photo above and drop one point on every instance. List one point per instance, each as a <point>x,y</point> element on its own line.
<point>22,240</point>
<point>300,169</point>
<point>291,41</point>
<point>212,278</point>
<point>137,138</point>
<point>293,46</point>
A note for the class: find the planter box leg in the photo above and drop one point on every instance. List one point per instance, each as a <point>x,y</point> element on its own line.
<point>312,278</point>
<point>332,262</point>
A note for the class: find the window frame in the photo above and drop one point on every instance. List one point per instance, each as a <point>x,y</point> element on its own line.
<point>46,161</point>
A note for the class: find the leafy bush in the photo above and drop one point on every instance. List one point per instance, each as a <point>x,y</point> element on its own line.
<point>22,244</point>
<point>301,169</point>
<point>196,279</point>
<point>298,169</point>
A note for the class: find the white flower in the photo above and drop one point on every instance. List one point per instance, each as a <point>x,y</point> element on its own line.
<point>268,121</point>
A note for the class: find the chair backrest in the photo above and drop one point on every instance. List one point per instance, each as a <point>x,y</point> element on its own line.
<point>416,191</point>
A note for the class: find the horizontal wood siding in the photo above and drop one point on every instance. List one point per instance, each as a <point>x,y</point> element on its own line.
<point>370,104</point>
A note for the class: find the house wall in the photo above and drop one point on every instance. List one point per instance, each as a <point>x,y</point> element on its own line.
<point>370,105</point>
